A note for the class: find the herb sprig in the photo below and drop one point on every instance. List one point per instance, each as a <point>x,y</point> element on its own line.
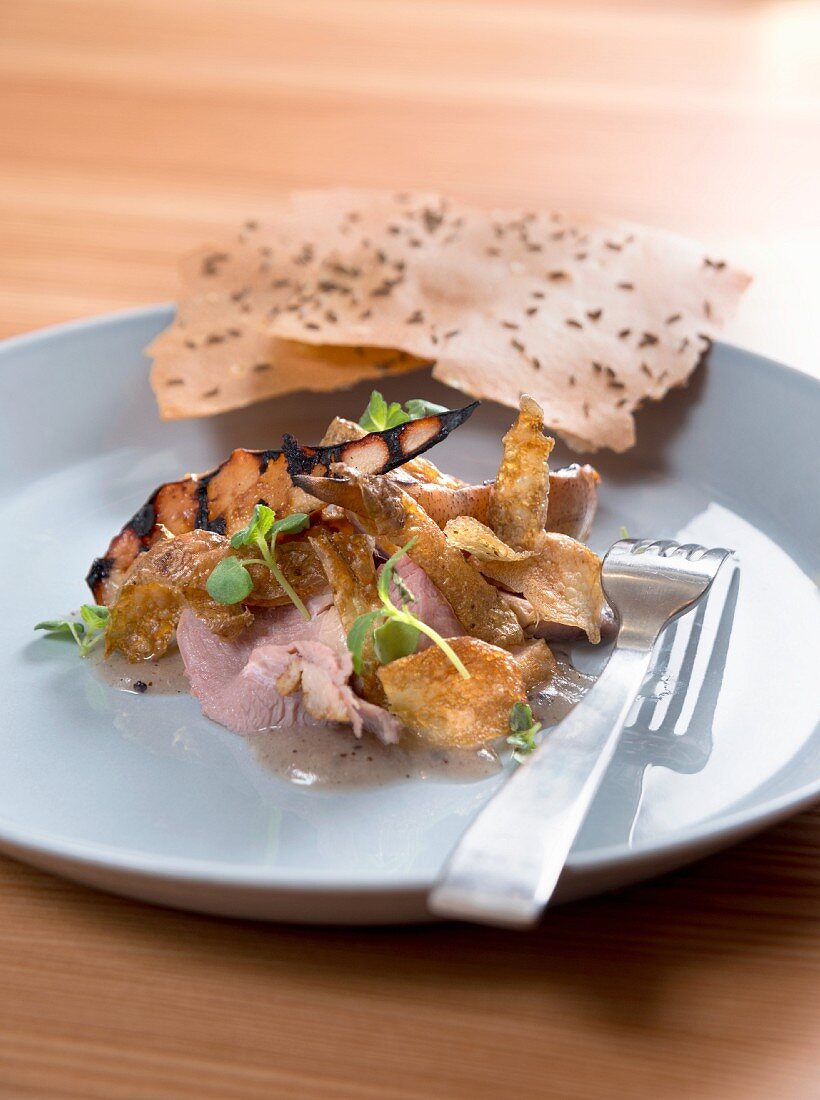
<point>397,634</point>
<point>87,632</point>
<point>524,728</point>
<point>379,415</point>
<point>231,582</point>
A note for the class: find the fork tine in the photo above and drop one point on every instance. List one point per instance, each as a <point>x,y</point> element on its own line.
<point>717,641</point>
<point>716,667</point>
<point>717,555</point>
<point>647,700</point>
<point>658,546</point>
<point>664,547</point>
<point>639,546</point>
<point>687,660</point>
<point>689,549</point>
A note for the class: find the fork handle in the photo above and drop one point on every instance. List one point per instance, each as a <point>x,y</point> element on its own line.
<point>505,866</point>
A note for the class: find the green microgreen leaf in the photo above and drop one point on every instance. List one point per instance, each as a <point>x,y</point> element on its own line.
<point>395,638</point>
<point>230,582</point>
<point>61,626</point>
<point>375,415</point>
<point>523,731</point>
<point>357,635</point>
<point>261,522</point>
<point>521,718</point>
<point>623,532</point>
<point>395,579</point>
<point>87,633</point>
<point>95,615</point>
<point>379,415</point>
<point>418,408</point>
<point>290,525</point>
<point>387,576</point>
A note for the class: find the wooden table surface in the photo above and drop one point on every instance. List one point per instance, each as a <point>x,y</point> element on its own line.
<point>133,129</point>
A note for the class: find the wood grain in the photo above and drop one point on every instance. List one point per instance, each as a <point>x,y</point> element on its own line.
<point>134,129</point>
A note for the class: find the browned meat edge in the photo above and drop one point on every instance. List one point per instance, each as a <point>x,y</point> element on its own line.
<point>389,449</point>
<point>376,452</point>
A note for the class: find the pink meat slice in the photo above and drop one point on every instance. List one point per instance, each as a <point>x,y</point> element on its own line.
<point>429,605</point>
<point>280,672</point>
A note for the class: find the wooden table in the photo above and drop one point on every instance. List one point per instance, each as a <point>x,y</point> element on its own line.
<point>133,129</point>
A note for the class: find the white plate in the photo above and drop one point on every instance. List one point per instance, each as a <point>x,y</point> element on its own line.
<point>141,795</point>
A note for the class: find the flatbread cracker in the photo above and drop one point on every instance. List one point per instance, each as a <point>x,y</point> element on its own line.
<point>216,355</point>
<point>589,316</point>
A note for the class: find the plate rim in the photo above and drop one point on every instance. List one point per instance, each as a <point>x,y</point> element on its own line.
<point>711,833</point>
<point>263,878</point>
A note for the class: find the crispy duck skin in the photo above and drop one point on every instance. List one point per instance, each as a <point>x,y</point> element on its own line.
<point>572,495</point>
<point>394,518</point>
<point>573,498</point>
<point>519,504</point>
<point>223,499</point>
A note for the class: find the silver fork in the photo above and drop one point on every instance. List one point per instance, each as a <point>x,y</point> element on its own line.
<point>505,866</point>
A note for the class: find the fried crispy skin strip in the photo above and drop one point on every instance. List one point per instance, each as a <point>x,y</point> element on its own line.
<point>395,518</point>
<point>422,470</point>
<point>347,561</point>
<point>173,574</point>
<point>161,584</point>
<point>183,562</point>
<point>519,501</point>
<point>429,696</point>
<point>474,538</point>
<point>297,560</point>
<point>572,493</point>
<point>562,581</point>
<point>143,621</point>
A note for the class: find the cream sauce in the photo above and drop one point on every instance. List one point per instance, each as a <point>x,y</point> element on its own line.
<point>331,756</point>
<point>164,676</point>
<point>555,699</point>
<point>335,757</point>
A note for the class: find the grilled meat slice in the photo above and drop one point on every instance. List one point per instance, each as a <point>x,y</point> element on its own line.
<point>223,499</point>
<point>377,452</point>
